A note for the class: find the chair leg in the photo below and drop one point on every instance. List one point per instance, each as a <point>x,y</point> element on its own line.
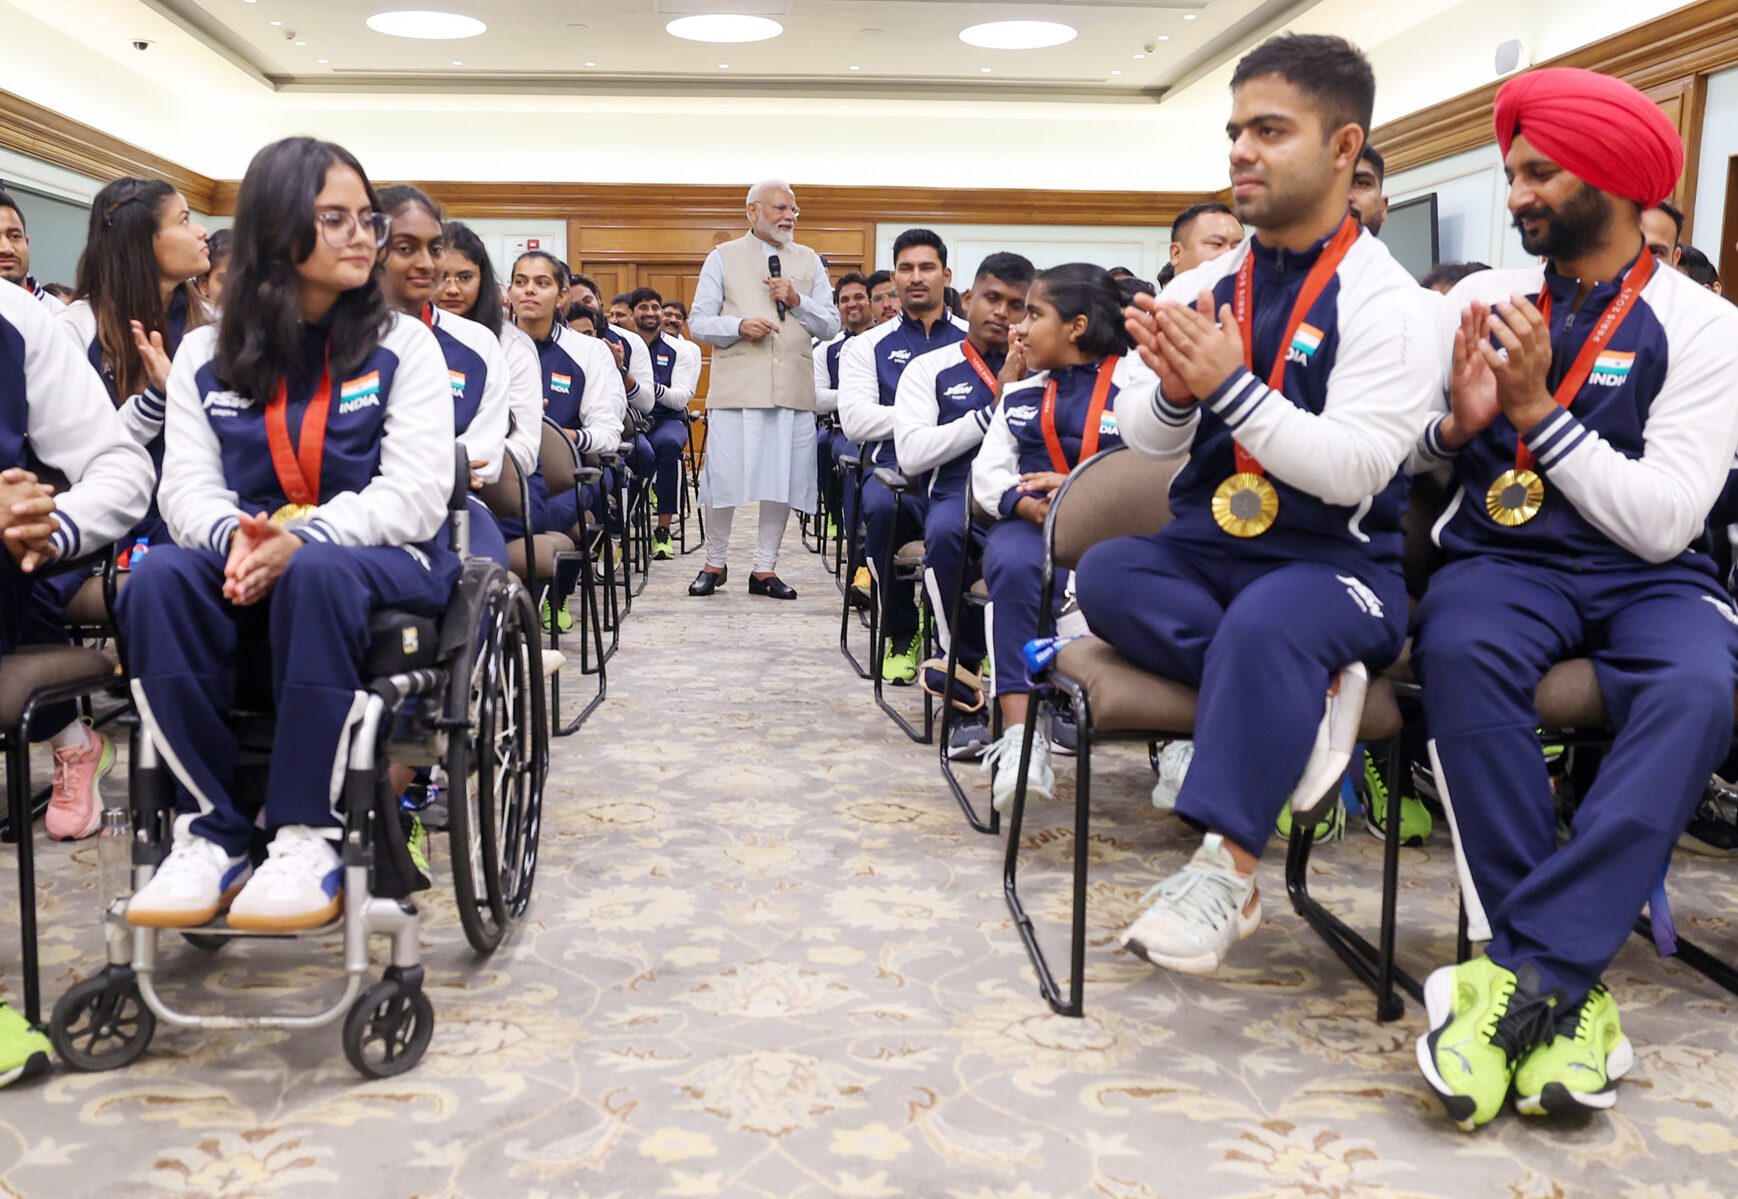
<point>887,584</point>
<point>18,812</point>
<point>1010,864</point>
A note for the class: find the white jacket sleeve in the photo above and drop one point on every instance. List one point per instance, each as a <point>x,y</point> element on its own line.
<point>1655,505</point>
<point>643,397</point>
<point>996,469</point>
<point>486,437</point>
<point>826,395</point>
<point>195,498</point>
<point>919,442</point>
<point>1385,377</point>
<point>861,414</point>
<point>603,406</point>
<point>406,501</point>
<point>524,397</point>
<point>684,377</point>
<point>1151,425</point>
<point>73,428</point>
<point>141,414</point>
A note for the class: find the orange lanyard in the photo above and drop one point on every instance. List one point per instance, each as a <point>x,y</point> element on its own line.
<point>1089,433</point>
<point>982,367</point>
<point>298,469</point>
<point>1315,283</point>
<point>1634,280</point>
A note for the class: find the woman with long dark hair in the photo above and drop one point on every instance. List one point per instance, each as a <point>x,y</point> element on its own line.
<point>305,483</point>
<point>469,289</point>
<point>1073,340</point>
<point>136,300</point>
<point>476,368</point>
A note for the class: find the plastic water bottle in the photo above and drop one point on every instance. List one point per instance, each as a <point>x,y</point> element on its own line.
<point>115,855</point>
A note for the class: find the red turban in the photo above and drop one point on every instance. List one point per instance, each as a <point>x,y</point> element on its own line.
<point>1596,127</point>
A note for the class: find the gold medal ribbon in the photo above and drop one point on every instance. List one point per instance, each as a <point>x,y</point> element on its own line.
<point>1246,504</point>
<point>298,468</point>
<point>1517,495</point>
<point>1094,413</point>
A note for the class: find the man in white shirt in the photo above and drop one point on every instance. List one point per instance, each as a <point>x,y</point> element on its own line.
<point>760,408</point>
<point>15,253</point>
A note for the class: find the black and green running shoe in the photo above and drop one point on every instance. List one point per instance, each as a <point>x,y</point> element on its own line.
<point>1579,1067</point>
<point>1482,1022</point>
<point>1416,823</point>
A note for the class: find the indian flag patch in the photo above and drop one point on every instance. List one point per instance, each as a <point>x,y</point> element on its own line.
<point>1307,340</point>
<point>355,394</point>
<point>560,384</point>
<point>457,379</point>
<point>1611,368</point>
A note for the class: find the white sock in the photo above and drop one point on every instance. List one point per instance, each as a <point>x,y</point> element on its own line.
<point>74,736</point>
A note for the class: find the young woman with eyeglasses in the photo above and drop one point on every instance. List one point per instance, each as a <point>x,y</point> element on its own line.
<point>136,301</point>
<point>476,368</point>
<point>305,484</point>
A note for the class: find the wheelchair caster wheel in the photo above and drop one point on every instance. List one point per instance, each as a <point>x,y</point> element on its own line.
<point>203,942</point>
<point>102,1023</point>
<point>388,1028</point>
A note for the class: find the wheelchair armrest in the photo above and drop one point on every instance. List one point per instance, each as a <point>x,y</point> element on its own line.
<point>850,461</point>
<point>588,474</point>
<point>892,480</point>
<point>461,479</point>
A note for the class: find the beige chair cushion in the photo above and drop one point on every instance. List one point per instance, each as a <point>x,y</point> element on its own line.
<point>30,668</point>
<point>545,546</point>
<point>1124,698</point>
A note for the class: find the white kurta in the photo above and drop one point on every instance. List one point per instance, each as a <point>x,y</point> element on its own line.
<point>759,454</point>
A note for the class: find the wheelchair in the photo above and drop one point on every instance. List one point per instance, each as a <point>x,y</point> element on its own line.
<point>463,693</point>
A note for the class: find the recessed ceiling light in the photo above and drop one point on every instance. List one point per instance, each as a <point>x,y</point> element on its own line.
<point>1188,16</point>
<point>1163,37</point>
<point>1368,15</point>
<point>1139,56</point>
<point>591,64</point>
<point>277,24</point>
<point>856,68</point>
<point>600,104</point>
<point>322,61</point>
<point>1116,72</point>
<point>1018,35</point>
<point>477,103</point>
<point>724,27</point>
<point>723,66</point>
<point>457,63</point>
<point>983,70</point>
<point>430,26</point>
<point>844,108</point>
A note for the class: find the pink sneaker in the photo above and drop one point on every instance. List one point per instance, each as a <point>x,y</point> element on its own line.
<point>75,811</point>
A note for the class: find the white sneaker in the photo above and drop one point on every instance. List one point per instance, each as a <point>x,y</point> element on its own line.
<point>1002,763</point>
<point>1336,738</point>
<point>193,884</point>
<point>553,660</point>
<point>299,885</point>
<point>1197,914</point>
<point>1174,762</point>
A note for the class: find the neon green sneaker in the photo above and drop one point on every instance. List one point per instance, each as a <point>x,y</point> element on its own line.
<point>1331,828</point>
<point>1481,1023</point>
<point>24,1052</point>
<point>563,618</point>
<point>1581,1064</point>
<point>417,843</point>
<point>661,551</point>
<point>1416,823</point>
<point>900,666</point>
<point>832,529</point>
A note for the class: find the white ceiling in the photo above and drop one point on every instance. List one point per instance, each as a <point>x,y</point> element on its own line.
<point>219,80</point>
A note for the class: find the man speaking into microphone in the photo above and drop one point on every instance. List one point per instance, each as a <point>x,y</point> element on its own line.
<point>759,302</point>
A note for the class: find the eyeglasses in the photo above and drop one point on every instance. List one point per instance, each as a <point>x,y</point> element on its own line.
<point>338,228</point>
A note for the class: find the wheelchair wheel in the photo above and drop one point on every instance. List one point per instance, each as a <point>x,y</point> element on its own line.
<point>470,843</point>
<point>207,944</point>
<point>102,1023</point>
<point>388,1028</point>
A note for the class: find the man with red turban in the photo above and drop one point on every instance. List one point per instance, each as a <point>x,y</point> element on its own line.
<point>1590,425</point>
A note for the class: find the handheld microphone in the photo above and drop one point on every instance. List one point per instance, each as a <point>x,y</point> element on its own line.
<point>772,264</point>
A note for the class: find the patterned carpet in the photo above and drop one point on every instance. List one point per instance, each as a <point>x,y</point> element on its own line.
<point>767,958</point>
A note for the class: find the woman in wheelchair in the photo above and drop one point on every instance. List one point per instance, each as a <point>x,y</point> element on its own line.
<point>476,365</point>
<point>1073,340</point>
<point>301,491</point>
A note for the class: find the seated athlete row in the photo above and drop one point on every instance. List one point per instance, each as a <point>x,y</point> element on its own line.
<point>269,468</point>
<point>1579,412</point>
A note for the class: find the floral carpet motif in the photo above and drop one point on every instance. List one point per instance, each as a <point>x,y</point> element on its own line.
<point>767,957</point>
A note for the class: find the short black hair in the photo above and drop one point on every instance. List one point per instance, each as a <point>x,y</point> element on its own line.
<point>589,282</point>
<point>1331,71</point>
<point>1166,274</point>
<point>1009,268</point>
<point>1673,211</point>
<point>621,298</point>
<point>1697,266</point>
<point>575,311</point>
<point>679,306</point>
<point>1188,215</point>
<point>6,201</point>
<point>640,295</point>
<point>848,278</point>
<point>877,279</point>
<point>919,237</point>
<point>1450,273</point>
<point>1373,156</point>
<point>221,244</point>
<point>1129,287</point>
<point>1082,288</point>
<point>1120,273</point>
<point>399,194</point>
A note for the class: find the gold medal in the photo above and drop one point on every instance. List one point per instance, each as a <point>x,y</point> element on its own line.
<point>289,512</point>
<point>1245,505</point>
<point>1515,498</point>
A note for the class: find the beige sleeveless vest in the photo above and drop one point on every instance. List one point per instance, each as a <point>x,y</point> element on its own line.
<point>777,371</point>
